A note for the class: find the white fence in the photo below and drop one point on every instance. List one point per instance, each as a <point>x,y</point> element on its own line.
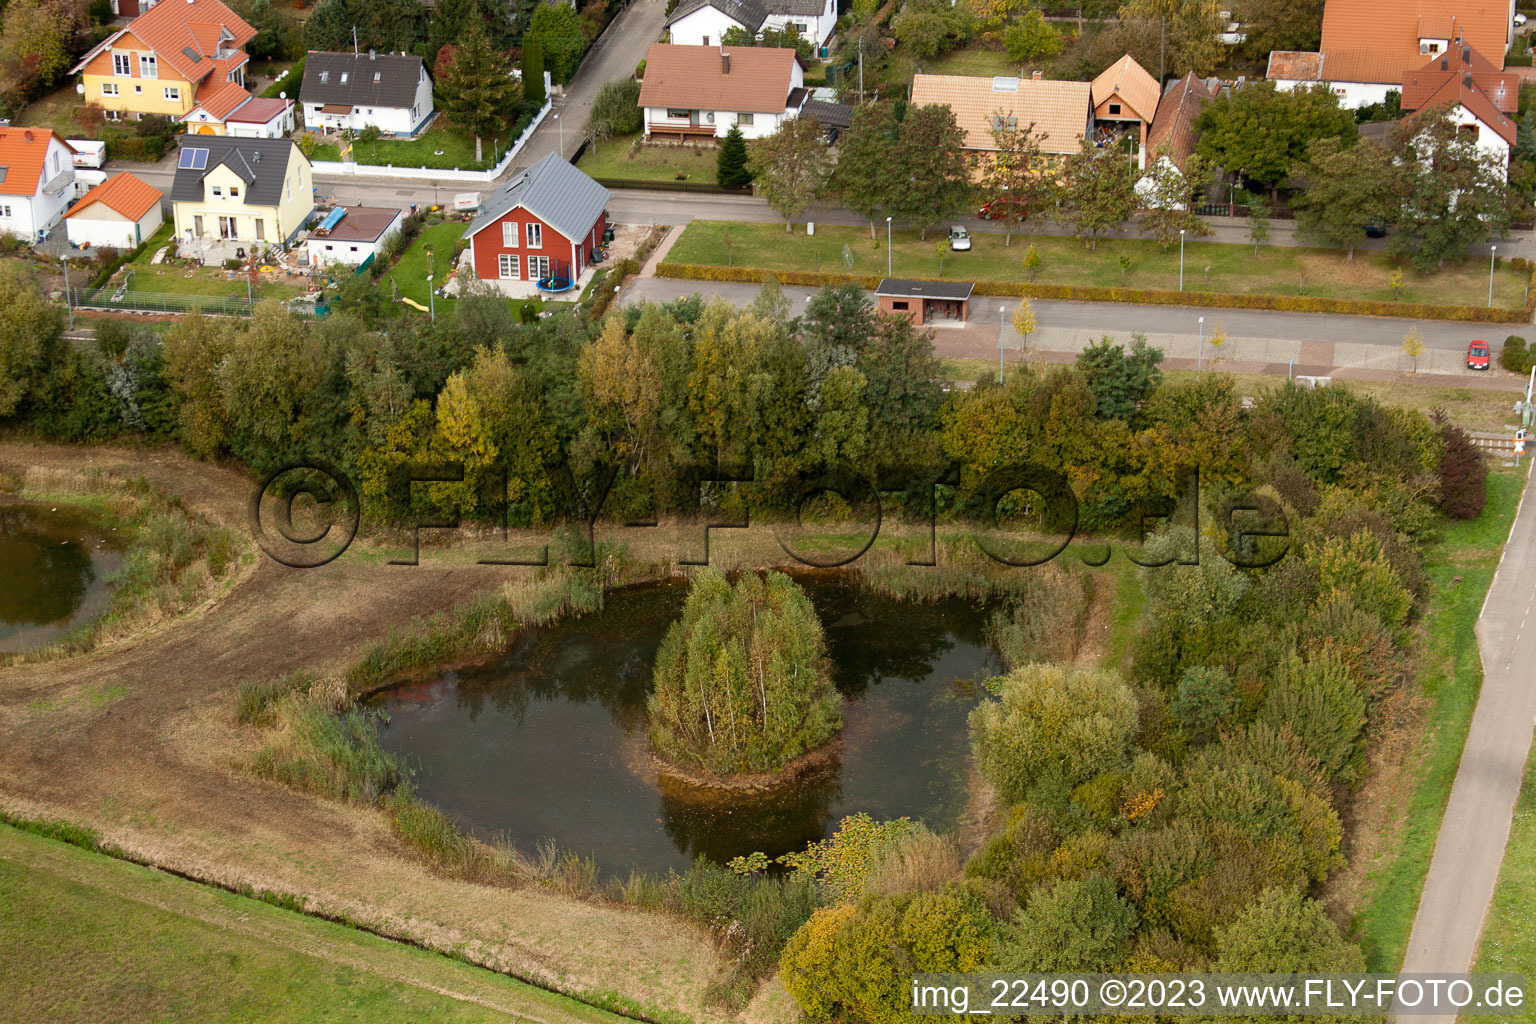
<point>435,173</point>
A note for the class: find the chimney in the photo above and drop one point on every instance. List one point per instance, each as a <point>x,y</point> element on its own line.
<point>725,63</point>
<point>1445,63</point>
<point>373,54</point>
<point>1036,76</point>
<point>1466,55</point>
<point>1466,79</point>
<point>27,134</point>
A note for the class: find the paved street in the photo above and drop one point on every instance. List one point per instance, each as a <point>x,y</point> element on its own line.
<point>1476,826</point>
<point>1258,341</point>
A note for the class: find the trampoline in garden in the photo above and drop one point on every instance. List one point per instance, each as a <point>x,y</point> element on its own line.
<point>554,284</point>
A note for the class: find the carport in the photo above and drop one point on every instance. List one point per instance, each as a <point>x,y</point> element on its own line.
<point>928,303</point>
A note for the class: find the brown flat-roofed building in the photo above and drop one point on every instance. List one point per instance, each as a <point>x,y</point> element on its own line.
<point>925,301</point>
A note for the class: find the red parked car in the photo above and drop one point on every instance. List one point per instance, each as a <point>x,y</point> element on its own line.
<point>1478,356</point>
<point>1009,207</point>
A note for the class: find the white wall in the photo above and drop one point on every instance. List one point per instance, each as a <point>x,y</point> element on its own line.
<point>330,250</point>
<point>390,120</point>
<point>1351,94</point>
<point>99,225</point>
<point>30,215</point>
<point>1489,142</point>
<point>818,29</point>
<point>703,27</point>
<point>762,124</point>
<point>276,128</point>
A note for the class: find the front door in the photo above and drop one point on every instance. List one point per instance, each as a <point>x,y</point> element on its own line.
<point>538,267</point>
<point>197,225</point>
<point>227,228</point>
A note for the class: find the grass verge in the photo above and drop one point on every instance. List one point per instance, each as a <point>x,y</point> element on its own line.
<point>1459,570</point>
<point>88,938</point>
<point>1509,942</point>
<point>625,157</point>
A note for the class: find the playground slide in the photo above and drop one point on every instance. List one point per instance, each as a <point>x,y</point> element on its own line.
<point>413,303</point>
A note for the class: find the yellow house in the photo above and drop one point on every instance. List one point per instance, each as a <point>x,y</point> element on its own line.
<point>169,60</point>
<point>240,190</point>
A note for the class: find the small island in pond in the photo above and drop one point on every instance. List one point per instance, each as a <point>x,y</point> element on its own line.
<point>742,681</point>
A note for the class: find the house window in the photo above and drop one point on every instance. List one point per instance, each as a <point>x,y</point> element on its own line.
<point>354,248</point>
<point>325,76</point>
<point>343,78</point>
<point>1434,47</point>
<point>113,115</point>
<point>261,229</point>
<point>684,114</point>
<point>509,234</point>
<point>138,90</point>
<point>5,211</point>
<point>538,268</point>
<point>535,236</point>
<point>172,92</point>
<point>234,191</point>
<point>218,190</point>
<point>122,64</point>
<point>1114,108</point>
<point>506,266</point>
<point>109,88</point>
<point>743,118</point>
<point>705,41</point>
<point>376,76</point>
<point>898,304</point>
<point>329,248</point>
<point>413,113</point>
<point>148,68</point>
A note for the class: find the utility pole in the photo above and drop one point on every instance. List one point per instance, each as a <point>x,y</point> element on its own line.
<point>1162,50</point>
<point>68,303</point>
<point>354,40</point>
<point>431,299</point>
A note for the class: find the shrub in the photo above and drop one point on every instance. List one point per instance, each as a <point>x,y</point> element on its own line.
<point>337,755</point>
<point>840,865</point>
<point>233,264</point>
<point>1054,723</point>
<point>1463,473</point>
<point>1070,926</point>
<point>1515,356</point>
<point>1285,931</point>
<point>1204,701</point>
<point>742,680</point>
<point>1320,704</point>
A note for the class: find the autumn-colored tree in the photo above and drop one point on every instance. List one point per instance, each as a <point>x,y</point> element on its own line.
<point>29,335</point>
<point>792,167</point>
<point>1015,181</point>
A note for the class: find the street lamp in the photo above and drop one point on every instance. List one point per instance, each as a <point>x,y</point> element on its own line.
<point>1002,329</point>
<point>1493,255</point>
<point>1181,259</point>
<point>432,299</point>
<point>562,136</point>
<point>888,247</point>
<point>1200,347</point>
<point>67,303</point>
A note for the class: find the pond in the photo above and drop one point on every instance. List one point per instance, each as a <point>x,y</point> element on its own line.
<point>55,567</point>
<point>548,742</point>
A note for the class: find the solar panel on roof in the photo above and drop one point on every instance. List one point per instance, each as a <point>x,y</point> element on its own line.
<point>333,218</point>
<point>193,159</point>
<point>191,53</point>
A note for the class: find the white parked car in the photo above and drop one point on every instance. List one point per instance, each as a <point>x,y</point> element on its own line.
<point>1519,19</point>
<point>959,239</point>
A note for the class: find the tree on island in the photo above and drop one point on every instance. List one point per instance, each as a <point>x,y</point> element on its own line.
<point>742,680</point>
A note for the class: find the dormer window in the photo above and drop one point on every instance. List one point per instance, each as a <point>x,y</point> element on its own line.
<point>377,75</point>
<point>325,76</point>
<point>1114,108</point>
<point>343,78</point>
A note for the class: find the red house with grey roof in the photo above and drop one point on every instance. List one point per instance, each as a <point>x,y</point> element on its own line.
<point>547,222</point>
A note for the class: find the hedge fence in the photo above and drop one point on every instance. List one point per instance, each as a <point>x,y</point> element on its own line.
<point>1142,296</point>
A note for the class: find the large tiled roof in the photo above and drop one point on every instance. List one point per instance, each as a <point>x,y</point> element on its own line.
<point>261,163</point>
<point>553,191</point>
<point>258,110</point>
<point>379,80</point>
<point>220,98</point>
<point>1058,110</point>
<point>23,153</point>
<point>695,77</point>
<point>1501,87</point>
<point>125,193</point>
<point>1375,41</point>
<point>186,34</point>
<point>750,14</point>
<point>1457,90</point>
<point>1173,127</point>
<point>1295,66</point>
<point>1130,81</point>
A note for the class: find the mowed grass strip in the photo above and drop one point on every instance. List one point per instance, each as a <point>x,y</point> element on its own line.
<point>1460,570</point>
<point>410,274</point>
<point>87,938</point>
<point>1276,270</point>
<point>621,158</point>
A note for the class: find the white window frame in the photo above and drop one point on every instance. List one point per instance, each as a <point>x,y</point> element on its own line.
<point>172,93</point>
<point>546,267</point>
<point>5,211</point>
<point>218,191</point>
<point>149,67</point>
<point>535,235</point>
<point>122,65</point>
<point>509,234</point>
<point>508,266</point>
<point>109,88</point>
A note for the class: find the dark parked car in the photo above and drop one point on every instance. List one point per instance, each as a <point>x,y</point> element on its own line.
<point>1375,231</point>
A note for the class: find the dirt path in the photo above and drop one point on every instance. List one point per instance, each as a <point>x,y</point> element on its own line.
<point>138,740</point>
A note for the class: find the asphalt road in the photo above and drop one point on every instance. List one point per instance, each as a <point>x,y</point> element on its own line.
<point>1476,826</point>
<point>1121,320</point>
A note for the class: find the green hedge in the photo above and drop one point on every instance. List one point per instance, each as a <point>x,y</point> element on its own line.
<point>290,85</point>
<point>1141,296</point>
<point>147,150</point>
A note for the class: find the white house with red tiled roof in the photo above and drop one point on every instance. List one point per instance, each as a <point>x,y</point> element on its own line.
<point>37,179</point>
<point>122,211</point>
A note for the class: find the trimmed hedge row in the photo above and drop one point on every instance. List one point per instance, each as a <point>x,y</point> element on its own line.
<point>1141,296</point>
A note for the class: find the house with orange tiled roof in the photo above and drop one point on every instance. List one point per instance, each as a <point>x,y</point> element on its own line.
<point>173,58</point>
<point>1125,96</point>
<point>1061,112</point>
<point>122,211</point>
<point>700,92</point>
<point>37,181</point>
<point>1480,99</point>
<point>1369,47</point>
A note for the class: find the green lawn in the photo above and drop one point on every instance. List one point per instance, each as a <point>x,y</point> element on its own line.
<point>410,274</point>
<point>1509,941</point>
<point>1449,682</point>
<point>976,58</point>
<point>621,158</point>
<point>88,938</point>
<point>437,147</point>
<point>1233,268</point>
